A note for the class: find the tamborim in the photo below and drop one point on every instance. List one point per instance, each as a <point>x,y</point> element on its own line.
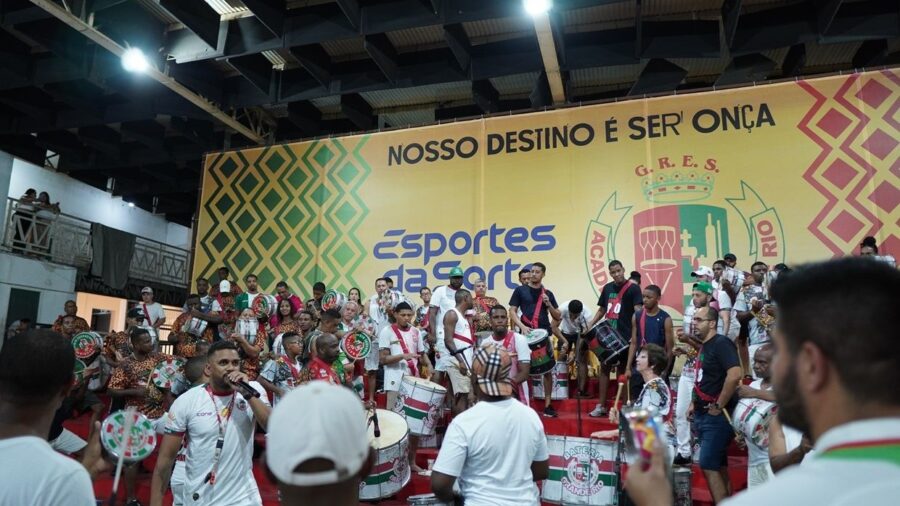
<point>582,471</point>
<point>264,305</point>
<point>87,344</point>
<point>608,344</point>
<point>142,437</point>
<point>542,359</point>
<point>166,371</point>
<point>195,327</point>
<point>333,299</point>
<point>391,470</point>
<point>356,345</point>
<point>420,402</point>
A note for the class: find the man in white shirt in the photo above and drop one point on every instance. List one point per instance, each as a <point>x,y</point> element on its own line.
<point>517,346</point>
<point>459,341</point>
<point>496,449</point>
<point>752,306</point>
<point>757,402</point>
<point>573,327</point>
<point>219,420</point>
<point>35,376</point>
<point>326,465</point>
<point>281,373</point>
<point>379,315</point>
<point>402,351</point>
<point>683,449</point>
<point>443,299</point>
<point>154,315</point>
<point>847,402</point>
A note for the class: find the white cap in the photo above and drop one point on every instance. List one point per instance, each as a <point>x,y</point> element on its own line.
<point>224,286</point>
<point>703,271</point>
<point>332,424</point>
<point>146,289</point>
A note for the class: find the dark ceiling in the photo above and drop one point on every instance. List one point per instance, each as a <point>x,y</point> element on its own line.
<point>303,68</point>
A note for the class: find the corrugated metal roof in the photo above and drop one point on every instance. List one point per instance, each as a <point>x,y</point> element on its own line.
<point>490,30</point>
<point>431,94</point>
<point>153,7</point>
<point>606,75</point>
<point>515,84</point>
<point>417,38</point>
<point>821,55</point>
<point>223,7</point>
<point>660,7</point>
<point>344,48</point>
<point>277,58</point>
<point>701,66</point>
<point>409,118</point>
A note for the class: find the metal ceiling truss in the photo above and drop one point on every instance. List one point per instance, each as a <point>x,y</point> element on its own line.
<point>60,91</point>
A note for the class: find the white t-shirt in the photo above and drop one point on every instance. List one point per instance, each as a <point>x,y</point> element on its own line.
<point>520,352</point>
<point>689,368</point>
<point>155,310</point>
<point>387,340</point>
<point>444,298</point>
<point>465,330</point>
<point>35,475</point>
<point>758,333</point>
<point>725,305</point>
<point>278,372</point>
<point>194,415</point>
<point>490,447</point>
<point>579,325</point>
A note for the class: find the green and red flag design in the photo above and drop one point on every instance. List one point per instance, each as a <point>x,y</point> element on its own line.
<point>381,473</point>
<point>413,408</point>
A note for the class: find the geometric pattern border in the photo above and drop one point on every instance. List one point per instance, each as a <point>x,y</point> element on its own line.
<point>858,167</point>
<point>286,212</point>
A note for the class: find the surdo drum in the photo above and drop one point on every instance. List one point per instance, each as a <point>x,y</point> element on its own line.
<point>542,360</point>
<point>419,402</point>
<point>391,471</point>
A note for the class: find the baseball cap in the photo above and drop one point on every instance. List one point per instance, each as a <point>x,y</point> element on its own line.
<point>224,286</point>
<point>335,421</point>
<point>703,271</point>
<point>491,367</point>
<point>456,272</point>
<point>704,286</point>
<point>146,289</point>
<point>135,312</point>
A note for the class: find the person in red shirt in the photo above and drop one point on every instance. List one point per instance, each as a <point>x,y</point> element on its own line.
<point>78,326</point>
<point>327,350</point>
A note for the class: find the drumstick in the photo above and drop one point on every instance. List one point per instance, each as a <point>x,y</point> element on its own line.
<point>126,442</point>
<point>737,434</point>
<point>621,380</point>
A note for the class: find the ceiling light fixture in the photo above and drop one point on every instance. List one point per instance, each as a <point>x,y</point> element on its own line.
<point>133,60</point>
<point>537,7</point>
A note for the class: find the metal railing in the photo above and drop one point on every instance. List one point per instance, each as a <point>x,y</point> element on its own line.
<point>65,239</point>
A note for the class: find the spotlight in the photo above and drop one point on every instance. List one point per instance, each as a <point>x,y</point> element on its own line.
<point>537,7</point>
<point>133,60</point>
<point>131,204</point>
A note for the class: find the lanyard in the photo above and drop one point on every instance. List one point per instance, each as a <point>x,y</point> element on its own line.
<point>537,311</point>
<point>413,370</point>
<point>220,441</point>
<point>616,304</point>
<point>701,394</point>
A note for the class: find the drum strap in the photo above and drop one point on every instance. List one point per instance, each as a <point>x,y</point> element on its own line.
<point>701,394</point>
<point>614,313</point>
<point>512,351</point>
<point>410,363</point>
<point>220,441</point>
<point>484,305</point>
<point>538,305</point>
<point>150,322</point>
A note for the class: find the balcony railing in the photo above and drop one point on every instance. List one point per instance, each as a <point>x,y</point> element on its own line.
<point>65,239</point>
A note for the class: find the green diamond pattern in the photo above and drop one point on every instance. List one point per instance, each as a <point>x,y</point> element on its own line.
<point>286,212</point>
<point>271,200</point>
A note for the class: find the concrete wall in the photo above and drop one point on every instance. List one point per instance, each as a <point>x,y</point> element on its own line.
<point>91,204</point>
<point>56,284</point>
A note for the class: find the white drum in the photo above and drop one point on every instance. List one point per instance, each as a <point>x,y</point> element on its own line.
<point>391,471</point>
<point>265,305</point>
<point>420,402</point>
<point>582,471</point>
<point>248,329</point>
<point>751,418</point>
<point>195,327</point>
<point>560,383</point>
<point>426,500</point>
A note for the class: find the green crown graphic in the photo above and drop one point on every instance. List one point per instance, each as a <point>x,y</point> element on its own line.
<point>678,186</point>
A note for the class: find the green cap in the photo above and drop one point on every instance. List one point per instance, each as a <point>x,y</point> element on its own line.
<point>456,272</point>
<point>704,286</point>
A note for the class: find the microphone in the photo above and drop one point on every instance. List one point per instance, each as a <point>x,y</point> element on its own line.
<point>246,389</point>
<point>376,431</point>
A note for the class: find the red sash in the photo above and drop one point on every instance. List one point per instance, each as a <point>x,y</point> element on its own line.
<point>467,340</point>
<point>413,369</point>
<point>613,313</point>
<point>295,373</point>
<point>520,391</point>
<point>147,314</point>
<point>484,306</point>
<point>535,318</point>
<point>703,395</point>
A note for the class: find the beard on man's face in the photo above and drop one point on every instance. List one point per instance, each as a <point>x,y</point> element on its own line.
<point>791,408</point>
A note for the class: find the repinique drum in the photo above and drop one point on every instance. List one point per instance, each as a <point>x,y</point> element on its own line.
<point>141,442</point>
<point>751,418</point>
<point>87,344</point>
<point>426,500</point>
<point>356,345</point>
<point>391,470</point>
<point>560,383</point>
<point>195,327</point>
<point>419,401</point>
<point>166,372</point>
<point>333,299</point>
<point>265,305</point>
<point>608,344</point>
<point>542,360</point>
<point>582,471</point>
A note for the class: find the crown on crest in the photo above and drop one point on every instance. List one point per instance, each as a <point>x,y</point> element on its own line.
<point>678,185</point>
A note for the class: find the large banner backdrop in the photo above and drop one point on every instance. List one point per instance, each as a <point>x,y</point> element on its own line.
<point>780,173</point>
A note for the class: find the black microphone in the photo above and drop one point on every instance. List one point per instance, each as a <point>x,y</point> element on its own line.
<point>246,389</point>
<point>376,430</point>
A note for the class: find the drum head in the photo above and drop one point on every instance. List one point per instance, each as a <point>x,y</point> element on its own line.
<point>142,440</point>
<point>166,371</point>
<point>393,429</point>
<point>85,345</point>
<point>422,382</point>
<point>356,345</point>
<point>536,336</point>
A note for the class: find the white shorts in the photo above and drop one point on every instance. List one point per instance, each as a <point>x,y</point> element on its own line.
<point>373,359</point>
<point>461,384</point>
<point>67,442</point>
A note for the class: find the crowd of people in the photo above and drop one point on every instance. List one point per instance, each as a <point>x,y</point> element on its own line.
<point>31,221</point>
<point>781,359</point>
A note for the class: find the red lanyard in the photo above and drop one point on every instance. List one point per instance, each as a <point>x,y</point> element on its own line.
<point>295,373</point>
<point>535,318</point>
<point>413,370</point>
<point>220,441</point>
<point>616,304</point>
<point>701,394</point>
